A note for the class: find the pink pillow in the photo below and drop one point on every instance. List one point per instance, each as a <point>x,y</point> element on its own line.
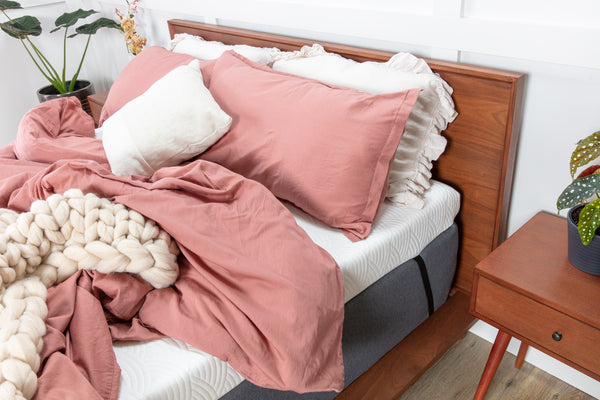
<point>146,68</point>
<point>325,148</point>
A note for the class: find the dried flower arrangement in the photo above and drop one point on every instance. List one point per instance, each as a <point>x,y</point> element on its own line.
<point>135,42</point>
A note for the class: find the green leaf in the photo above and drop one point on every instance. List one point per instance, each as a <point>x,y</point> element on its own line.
<point>587,150</point>
<point>22,26</point>
<point>589,221</point>
<point>90,29</point>
<point>579,190</point>
<point>71,18</point>
<point>9,5</point>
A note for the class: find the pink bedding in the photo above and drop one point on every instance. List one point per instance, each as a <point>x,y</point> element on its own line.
<point>253,290</point>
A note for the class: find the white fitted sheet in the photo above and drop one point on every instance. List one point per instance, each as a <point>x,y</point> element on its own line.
<point>169,369</point>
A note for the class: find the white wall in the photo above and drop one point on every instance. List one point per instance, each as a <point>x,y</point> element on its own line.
<point>556,43</point>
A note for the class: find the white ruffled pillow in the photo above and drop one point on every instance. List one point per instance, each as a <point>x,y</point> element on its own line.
<point>421,142</point>
<point>173,121</point>
<point>197,47</point>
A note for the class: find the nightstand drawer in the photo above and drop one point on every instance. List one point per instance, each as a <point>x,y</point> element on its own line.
<point>537,323</point>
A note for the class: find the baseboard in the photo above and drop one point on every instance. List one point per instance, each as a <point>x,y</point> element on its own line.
<point>543,361</point>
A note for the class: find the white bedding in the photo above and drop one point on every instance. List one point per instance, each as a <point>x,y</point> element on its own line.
<point>168,369</point>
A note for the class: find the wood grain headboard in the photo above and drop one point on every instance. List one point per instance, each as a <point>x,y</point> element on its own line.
<point>480,157</point>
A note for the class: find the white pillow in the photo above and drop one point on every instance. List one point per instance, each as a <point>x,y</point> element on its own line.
<point>197,47</point>
<point>421,142</point>
<point>173,121</point>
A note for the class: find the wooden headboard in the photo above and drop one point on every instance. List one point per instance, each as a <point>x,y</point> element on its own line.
<point>480,157</point>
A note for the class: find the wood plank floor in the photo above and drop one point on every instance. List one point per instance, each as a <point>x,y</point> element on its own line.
<point>456,375</point>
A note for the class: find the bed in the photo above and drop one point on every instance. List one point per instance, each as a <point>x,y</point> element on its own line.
<point>478,164</point>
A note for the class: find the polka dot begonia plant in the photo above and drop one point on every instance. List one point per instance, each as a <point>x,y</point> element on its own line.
<point>585,188</point>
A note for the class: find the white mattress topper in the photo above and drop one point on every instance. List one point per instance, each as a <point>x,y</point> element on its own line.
<point>398,234</point>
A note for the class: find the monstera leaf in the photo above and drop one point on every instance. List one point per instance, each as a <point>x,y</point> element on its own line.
<point>587,150</point>
<point>92,28</point>
<point>9,5</point>
<point>22,26</point>
<point>589,221</point>
<point>579,190</point>
<point>70,18</point>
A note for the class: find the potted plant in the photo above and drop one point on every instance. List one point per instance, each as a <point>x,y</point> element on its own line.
<point>582,197</point>
<point>23,27</point>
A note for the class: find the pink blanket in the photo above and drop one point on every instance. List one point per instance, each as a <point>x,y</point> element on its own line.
<point>253,290</point>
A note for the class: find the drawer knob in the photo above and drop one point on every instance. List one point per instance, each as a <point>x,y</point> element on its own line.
<point>557,336</point>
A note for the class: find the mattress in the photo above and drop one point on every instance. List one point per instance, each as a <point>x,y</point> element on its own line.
<point>171,369</point>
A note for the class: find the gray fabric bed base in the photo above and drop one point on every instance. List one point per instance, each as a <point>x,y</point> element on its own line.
<point>381,316</point>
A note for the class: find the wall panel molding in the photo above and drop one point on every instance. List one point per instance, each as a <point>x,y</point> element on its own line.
<point>445,28</point>
<point>37,3</point>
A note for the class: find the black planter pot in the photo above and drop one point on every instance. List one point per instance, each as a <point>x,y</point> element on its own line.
<point>583,257</point>
<point>82,90</point>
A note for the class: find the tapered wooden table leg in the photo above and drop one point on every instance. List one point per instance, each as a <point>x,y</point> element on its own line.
<point>521,355</point>
<point>493,361</point>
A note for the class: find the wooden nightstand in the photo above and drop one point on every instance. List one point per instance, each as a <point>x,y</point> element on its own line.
<point>528,289</point>
<point>96,102</point>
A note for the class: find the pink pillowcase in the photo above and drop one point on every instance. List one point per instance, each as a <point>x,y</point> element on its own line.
<point>146,68</point>
<point>325,148</point>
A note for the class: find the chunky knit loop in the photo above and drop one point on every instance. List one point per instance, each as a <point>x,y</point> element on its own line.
<point>48,244</point>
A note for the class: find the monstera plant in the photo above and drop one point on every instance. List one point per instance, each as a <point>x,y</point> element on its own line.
<point>23,28</point>
<point>585,187</point>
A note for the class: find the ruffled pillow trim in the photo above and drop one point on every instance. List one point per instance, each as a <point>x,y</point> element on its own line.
<point>304,52</point>
<point>410,190</point>
<point>180,37</point>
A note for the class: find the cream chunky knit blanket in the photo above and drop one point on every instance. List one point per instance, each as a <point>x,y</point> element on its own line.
<point>48,244</point>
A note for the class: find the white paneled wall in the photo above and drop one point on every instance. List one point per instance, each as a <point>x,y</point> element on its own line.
<point>556,43</point>
<point>574,13</point>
